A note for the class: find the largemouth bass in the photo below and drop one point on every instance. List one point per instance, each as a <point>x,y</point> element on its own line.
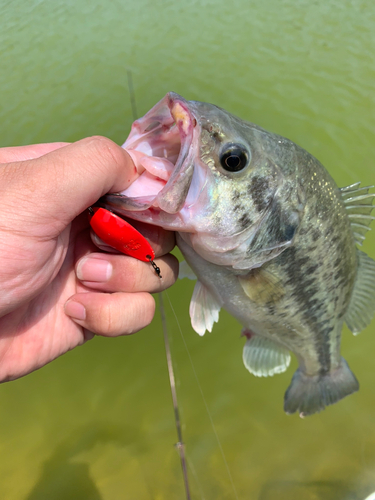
<point>268,233</point>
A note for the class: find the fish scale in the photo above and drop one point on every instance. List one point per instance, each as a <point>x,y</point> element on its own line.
<point>269,236</point>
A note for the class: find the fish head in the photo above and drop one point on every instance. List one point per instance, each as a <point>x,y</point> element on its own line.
<point>206,174</point>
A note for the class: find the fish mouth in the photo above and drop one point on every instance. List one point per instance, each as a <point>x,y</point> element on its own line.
<point>160,145</point>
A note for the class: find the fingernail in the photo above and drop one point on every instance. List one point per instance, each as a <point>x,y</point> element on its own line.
<point>75,310</point>
<point>94,269</point>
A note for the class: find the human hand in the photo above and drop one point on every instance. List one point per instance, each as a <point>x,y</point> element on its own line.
<point>57,289</point>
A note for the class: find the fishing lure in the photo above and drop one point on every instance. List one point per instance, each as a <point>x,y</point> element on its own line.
<point>121,235</point>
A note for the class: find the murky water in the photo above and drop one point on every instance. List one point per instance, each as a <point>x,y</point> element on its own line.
<point>97,424</point>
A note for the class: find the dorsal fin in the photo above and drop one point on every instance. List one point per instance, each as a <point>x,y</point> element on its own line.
<point>358,204</point>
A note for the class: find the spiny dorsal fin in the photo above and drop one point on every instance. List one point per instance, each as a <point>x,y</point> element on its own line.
<point>358,204</point>
<point>264,358</point>
<point>362,303</point>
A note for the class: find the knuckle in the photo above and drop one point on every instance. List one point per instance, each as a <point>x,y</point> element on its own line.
<point>107,318</point>
<point>106,150</point>
<point>150,307</point>
<point>162,241</point>
<point>143,312</point>
<point>109,324</point>
<point>122,315</point>
<point>169,268</point>
<point>134,276</point>
<point>174,267</point>
<point>159,238</point>
<point>129,277</point>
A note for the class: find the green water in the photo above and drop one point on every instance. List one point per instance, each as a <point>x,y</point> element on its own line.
<point>97,424</point>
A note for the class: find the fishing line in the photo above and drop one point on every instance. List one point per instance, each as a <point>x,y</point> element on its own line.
<point>204,401</point>
<point>195,476</point>
<point>180,444</point>
<point>132,95</point>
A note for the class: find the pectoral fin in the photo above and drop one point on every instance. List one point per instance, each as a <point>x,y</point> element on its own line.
<point>204,309</point>
<point>262,286</point>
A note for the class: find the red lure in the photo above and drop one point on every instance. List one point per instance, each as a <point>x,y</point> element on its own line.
<point>121,235</point>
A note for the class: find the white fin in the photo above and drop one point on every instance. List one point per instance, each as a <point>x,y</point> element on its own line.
<point>311,394</point>
<point>204,309</point>
<point>358,204</point>
<point>185,271</point>
<point>362,303</point>
<point>263,358</point>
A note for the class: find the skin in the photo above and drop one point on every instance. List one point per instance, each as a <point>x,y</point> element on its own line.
<point>57,289</point>
<point>271,239</point>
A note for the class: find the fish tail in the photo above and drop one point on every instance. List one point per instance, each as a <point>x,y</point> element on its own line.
<point>311,394</point>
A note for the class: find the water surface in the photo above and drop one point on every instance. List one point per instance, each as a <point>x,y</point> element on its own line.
<point>97,423</point>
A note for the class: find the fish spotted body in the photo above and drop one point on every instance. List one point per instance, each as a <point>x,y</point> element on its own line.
<point>268,233</point>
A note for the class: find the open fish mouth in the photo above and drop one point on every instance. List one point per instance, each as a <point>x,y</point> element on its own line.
<point>161,146</point>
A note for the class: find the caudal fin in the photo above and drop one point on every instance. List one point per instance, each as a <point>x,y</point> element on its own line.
<point>311,394</point>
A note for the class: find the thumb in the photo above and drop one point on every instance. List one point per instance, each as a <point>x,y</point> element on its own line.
<point>20,153</point>
<point>63,183</point>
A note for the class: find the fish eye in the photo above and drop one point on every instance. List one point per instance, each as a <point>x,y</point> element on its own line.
<point>234,158</point>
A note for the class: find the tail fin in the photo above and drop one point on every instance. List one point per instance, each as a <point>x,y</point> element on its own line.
<point>311,394</point>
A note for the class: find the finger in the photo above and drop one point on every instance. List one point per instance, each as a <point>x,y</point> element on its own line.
<point>162,241</point>
<point>120,273</point>
<point>21,153</point>
<point>111,315</point>
<point>64,182</point>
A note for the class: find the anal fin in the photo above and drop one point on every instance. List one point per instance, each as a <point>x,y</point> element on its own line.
<point>264,358</point>
<point>204,309</point>
<point>362,303</point>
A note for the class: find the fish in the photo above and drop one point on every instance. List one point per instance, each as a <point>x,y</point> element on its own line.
<point>268,234</point>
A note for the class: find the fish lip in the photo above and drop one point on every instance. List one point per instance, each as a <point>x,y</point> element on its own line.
<point>172,111</point>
